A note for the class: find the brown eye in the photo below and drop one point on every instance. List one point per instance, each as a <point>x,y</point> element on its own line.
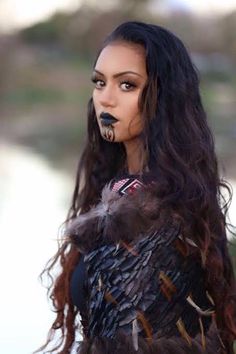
<point>127,86</point>
<point>98,83</point>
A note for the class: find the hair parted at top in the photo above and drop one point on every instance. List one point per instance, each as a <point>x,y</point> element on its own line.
<point>180,153</point>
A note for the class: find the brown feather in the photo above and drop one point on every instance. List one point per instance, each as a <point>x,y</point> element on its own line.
<point>183,332</point>
<point>167,287</point>
<point>145,324</point>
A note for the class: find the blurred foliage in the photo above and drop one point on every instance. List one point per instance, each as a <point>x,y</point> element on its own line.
<point>49,31</point>
<point>84,30</point>
<point>228,27</point>
<point>232,251</point>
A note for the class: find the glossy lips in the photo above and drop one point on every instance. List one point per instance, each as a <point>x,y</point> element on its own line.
<point>107,119</point>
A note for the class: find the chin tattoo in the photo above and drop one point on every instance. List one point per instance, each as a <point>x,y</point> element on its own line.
<point>108,133</point>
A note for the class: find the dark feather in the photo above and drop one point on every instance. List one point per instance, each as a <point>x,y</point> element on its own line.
<point>115,218</point>
<point>140,280</point>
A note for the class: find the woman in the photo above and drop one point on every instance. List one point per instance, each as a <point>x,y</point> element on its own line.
<point>144,260</point>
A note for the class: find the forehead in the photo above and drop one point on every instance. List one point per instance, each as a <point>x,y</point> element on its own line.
<point>122,56</point>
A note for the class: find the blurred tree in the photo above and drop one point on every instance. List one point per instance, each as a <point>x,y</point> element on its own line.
<point>5,57</point>
<point>90,25</point>
<point>8,48</point>
<point>228,28</point>
<point>88,28</point>
<point>232,251</point>
<point>47,31</point>
<point>134,7</point>
<point>83,30</point>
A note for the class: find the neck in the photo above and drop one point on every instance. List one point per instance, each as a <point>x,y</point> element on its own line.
<point>134,155</point>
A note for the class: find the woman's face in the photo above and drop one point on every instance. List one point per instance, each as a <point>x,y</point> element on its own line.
<point>119,77</point>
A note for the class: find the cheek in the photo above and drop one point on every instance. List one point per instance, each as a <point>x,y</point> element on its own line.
<point>94,100</point>
<point>133,125</point>
<point>130,106</point>
<point>133,113</point>
<point>136,125</point>
<point>96,109</point>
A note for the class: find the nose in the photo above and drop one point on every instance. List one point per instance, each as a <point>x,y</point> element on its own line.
<point>107,97</point>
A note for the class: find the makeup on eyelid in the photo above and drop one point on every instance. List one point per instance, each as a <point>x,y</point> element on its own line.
<point>132,84</point>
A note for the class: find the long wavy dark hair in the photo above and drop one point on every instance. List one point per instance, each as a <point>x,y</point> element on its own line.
<point>180,152</point>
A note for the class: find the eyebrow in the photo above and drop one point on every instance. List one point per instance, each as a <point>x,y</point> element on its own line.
<point>119,74</point>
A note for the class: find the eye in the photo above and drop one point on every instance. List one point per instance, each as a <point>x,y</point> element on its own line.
<point>98,83</point>
<point>127,85</point>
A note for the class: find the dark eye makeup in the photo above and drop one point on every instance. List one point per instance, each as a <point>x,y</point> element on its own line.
<point>128,83</point>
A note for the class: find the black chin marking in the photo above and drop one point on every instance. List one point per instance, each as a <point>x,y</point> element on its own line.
<point>108,133</point>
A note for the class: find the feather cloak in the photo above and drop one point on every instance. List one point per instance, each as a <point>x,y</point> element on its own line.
<point>146,293</point>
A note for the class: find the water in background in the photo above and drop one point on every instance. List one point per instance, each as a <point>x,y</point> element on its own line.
<point>33,204</point>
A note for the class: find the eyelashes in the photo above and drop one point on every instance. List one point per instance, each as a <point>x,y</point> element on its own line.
<point>96,80</point>
<point>124,83</point>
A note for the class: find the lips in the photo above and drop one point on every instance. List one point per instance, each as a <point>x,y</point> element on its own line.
<point>107,118</point>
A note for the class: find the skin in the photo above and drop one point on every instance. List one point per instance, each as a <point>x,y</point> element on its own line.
<point>108,133</point>
<point>119,94</point>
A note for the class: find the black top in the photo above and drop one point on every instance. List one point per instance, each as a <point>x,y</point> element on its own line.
<point>78,285</point>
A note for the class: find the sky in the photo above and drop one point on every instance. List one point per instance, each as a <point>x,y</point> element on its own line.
<point>204,7</point>
<point>15,14</point>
